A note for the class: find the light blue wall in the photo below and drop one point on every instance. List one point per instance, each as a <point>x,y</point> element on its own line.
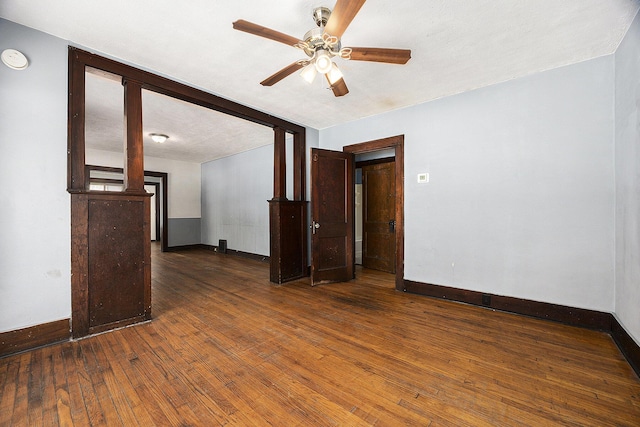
<point>35,284</point>
<point>627,137</point>
<point>235,191</point>
<point>521,194</point>
<point>234,198</point>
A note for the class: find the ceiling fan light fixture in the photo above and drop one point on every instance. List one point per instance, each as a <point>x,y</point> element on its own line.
<point>334,74</point>
<point>322,43</point>
<point>158,137</point>
<point>323,61</point>
<point>308,73</point>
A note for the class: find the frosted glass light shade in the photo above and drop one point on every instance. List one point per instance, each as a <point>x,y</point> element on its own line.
<point>308,73</point>
<point>323,61</point>
<point>334,74</point>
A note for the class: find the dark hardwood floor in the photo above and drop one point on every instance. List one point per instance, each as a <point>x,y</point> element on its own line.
<point>226,347</point>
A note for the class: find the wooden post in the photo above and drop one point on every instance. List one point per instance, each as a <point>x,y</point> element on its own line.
<point>75,143</point>
<point>299,167</point>
<point>279,164</point>
<point>134,152</point>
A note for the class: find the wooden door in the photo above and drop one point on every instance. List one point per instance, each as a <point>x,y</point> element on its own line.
<point>379,217</point>
<point>332,245</point>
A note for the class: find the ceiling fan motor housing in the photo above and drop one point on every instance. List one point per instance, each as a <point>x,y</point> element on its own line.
<point>315,39</point>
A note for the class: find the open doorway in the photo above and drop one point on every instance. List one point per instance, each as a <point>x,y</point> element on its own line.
<point>101,256</point>
<point>375,199</point>
<point>104,178</point>
<point>332,210</point>
<point>392,149</point>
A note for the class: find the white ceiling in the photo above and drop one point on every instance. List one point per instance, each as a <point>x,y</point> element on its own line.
<point>457,46</point>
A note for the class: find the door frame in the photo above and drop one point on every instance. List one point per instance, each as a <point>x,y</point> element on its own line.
<point>397,143</point>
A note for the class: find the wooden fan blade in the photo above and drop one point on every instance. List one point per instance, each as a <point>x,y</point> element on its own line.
<point>271,80</point>
<point>259,30</point>
<point>341,16</point>
<point>339,88</point>
<point>379,54</point>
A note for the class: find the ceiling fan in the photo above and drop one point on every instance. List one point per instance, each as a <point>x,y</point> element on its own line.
<point>322,44</point>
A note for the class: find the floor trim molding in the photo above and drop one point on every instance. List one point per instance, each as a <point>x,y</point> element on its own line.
<point>629,348</point>
<point>181,248</point>
<point>24,339</point>
<point>580,317</point>
<point>255,257</point>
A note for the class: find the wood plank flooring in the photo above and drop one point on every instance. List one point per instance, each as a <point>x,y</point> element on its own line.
<point>226,347</point>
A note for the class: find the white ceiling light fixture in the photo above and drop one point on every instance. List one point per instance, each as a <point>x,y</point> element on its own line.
<point>309,73</point>
<point>322,61</point>
<point>158,137</point>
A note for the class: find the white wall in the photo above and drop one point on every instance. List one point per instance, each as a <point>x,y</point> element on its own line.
<point>184,180</point>
<point>235,191</point>
<point>627,63</point>
<point>35,284</point>
<point>521,193</point>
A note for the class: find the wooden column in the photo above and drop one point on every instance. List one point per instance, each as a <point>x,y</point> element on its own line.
<point>110,232</point>
<point>279,164</point>
<point>299,170</point>
<point>134,152</point>
<point>288,218</point>
<point>75,134</point>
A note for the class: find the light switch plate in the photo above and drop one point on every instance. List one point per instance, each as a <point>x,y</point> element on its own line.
<point>423,178</point>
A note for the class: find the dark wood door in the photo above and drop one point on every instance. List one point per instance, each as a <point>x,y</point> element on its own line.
<point>332,188</point>
<point>379,217</point>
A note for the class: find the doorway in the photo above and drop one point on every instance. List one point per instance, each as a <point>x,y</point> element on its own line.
<point>393,145</point>
<point>104,178</point>
<point>375,213</point>
<point>332,210</point>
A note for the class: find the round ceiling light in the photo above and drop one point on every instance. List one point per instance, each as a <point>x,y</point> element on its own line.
<point>158,137</point>
<point>323,61</point>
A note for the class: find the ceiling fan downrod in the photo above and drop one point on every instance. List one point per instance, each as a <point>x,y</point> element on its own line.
<point>321,16</point>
